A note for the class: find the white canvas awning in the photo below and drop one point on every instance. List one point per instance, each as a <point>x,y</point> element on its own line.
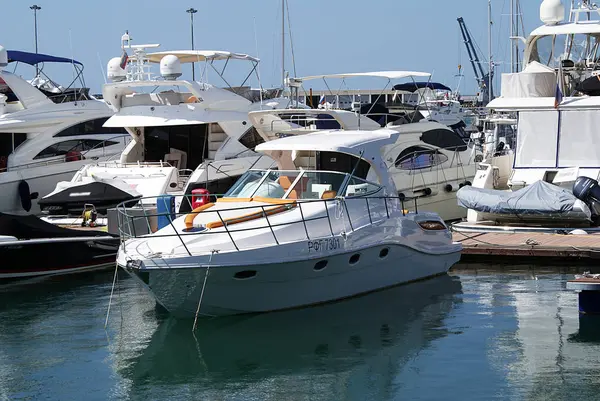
<point>194,56</point>
<point>378,74</point>
<point>351,142</point>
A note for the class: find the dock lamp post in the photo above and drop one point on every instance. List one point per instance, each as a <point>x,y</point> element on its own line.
<point>192,11</point>
<point>35,9</point>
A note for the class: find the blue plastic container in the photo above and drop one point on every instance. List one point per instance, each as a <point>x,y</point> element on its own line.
<point>165,209</point>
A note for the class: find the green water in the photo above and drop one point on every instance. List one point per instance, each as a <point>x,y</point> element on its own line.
<point>474,335</point>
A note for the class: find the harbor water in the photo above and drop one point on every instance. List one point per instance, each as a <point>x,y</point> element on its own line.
<point>477,334</point>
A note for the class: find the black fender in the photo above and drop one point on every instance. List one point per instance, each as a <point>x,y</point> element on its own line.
<point>25,195</point>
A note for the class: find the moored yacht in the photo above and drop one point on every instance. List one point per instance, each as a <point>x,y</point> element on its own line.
<point>429,161</point>
<point>47,133</point>
<point>556,162</point>
<point>185,134</point>
<point>292,236</point>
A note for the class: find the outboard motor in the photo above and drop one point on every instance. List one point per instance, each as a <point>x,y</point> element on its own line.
<point>586,189</point>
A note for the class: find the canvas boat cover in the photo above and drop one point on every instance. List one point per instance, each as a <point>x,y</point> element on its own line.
<point>538,199</point>
<point>32,227</point>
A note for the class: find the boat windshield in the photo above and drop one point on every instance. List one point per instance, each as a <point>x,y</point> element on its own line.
<point>579,48</point>
<point>302,184</point>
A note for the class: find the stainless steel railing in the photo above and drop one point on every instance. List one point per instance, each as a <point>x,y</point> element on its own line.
<point>392,205</point>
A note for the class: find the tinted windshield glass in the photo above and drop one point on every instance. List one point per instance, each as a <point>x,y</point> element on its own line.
<point>276,184</point>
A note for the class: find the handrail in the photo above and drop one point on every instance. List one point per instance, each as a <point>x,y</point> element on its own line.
<point>228,226</point>
<point>306,119</point>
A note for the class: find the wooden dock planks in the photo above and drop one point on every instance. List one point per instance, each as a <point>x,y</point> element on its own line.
<point>512,246</point>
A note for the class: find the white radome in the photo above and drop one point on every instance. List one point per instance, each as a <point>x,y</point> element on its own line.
<point>114,71</point>
<point>170,67</point>
<point>552,12</point>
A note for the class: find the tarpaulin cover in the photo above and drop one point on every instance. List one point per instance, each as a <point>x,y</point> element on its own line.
<point>539,198</point>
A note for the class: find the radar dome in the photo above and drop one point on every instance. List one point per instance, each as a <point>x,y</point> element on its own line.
<point>170,67</point>
<point>114,71</point>
<point>3,57</point>
<point>552,12</point>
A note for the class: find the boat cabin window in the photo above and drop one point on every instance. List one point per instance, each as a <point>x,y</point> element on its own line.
<point>320,120</point>
<point>8,143</point>
<point>251,138</point>
<point>73,145</point>
<point>90,127</point>
<point>342,162</point>
<point>445,139</point>
<point>419,157</point>
<point>192,140</point>
<point>300,185</point>
<point>548,49</point>
<point>359,187</point>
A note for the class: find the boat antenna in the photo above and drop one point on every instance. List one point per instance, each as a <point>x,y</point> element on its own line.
<point>73,64</point>
<point>283,44</point>
<point>101,67</point>
<point>287,5</point>
<point>260,88</point>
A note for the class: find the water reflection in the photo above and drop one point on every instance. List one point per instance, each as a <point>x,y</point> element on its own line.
<point>589,330</point>
<point>323,345</point>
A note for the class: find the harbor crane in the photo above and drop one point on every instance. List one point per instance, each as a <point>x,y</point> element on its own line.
<point>484,79</point>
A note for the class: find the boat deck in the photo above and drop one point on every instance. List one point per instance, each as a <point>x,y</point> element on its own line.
<point>518,247</point>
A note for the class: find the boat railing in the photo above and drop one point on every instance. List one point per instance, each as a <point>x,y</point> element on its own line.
<point>119,164</point>
<point>314,120</point>
<point>389,207</point>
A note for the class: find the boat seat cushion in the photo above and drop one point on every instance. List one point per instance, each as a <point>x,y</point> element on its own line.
<point>329,195</point>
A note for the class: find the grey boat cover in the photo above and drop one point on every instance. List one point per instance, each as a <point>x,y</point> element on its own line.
<point>539,198</point>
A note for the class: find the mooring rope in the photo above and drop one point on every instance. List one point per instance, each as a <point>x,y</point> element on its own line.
<point>203,287</point>
<point>111,294</point>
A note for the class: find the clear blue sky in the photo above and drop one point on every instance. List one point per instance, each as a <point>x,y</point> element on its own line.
<point>331,36</point>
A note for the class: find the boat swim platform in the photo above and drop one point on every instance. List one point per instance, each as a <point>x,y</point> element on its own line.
<point>524,247</point>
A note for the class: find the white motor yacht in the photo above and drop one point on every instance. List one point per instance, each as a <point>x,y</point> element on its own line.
<point>556,97</point>
<point>292,237</point>
<point>47,133</point>
<point>185,134</point>
<point>429,161</point>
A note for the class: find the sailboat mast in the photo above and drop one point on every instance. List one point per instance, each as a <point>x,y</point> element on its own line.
<point>512,35</point>
<point>491,64</point>
<point>283,44</point>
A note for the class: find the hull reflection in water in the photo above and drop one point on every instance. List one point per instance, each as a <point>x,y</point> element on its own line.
<point>323,343</point>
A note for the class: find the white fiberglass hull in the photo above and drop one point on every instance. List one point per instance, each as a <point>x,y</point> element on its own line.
<point>444,203</point>
<point>279,285</point>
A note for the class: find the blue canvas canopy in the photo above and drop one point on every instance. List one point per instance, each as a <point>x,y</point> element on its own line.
<point>36,58</point>
<point>414,86</point>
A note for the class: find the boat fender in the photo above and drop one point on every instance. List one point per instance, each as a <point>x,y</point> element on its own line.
<point>448,188</point>
<point>425,191</point>
<point>464,184</point>
<point>189,218</point>
<point>25,195</point>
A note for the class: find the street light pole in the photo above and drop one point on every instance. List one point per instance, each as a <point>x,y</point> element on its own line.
<point>192,11</point>
<point>35,9</point>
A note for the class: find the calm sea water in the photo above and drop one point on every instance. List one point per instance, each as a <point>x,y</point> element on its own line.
<point>473,335</point>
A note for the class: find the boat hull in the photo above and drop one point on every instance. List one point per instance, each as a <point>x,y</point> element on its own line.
<point>239,289</point>
<point>42,257</point>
